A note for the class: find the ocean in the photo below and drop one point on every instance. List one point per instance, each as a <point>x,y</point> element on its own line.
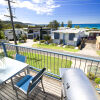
<point>85,25</point>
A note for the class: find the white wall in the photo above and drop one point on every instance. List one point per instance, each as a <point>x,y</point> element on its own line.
<point>67,41</point>
<point>56,41</point>
<point>9,33</point>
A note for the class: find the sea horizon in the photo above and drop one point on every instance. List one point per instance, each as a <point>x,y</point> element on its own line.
<point>81,25</point>
<point>85,25</point>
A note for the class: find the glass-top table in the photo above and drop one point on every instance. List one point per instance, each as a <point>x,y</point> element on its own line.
<point>9,68</point>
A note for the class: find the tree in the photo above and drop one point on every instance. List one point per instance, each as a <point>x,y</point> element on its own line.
<point>18,26</point>
<point>2,35</point>
<point>69,24</point>
<point>77,26</point>
<point>62,24</point>
<point>53,24</point>
<point>1,25</point>
<point>94,28</point>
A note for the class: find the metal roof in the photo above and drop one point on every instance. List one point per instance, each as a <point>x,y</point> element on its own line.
<point>69,31</point>
<point>94,31</point>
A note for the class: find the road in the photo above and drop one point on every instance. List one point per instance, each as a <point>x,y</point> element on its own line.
<point>89,50</point>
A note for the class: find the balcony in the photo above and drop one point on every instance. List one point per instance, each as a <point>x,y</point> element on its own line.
<point>38,59</point>
<point>52,88</point>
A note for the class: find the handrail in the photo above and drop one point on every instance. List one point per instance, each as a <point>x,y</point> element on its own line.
<point>39,58</point>
<point>80,57</point>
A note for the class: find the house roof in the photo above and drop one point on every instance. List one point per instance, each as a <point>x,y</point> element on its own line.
<point>69,31</point>
<point>94,32</point>
<point>12,29</point>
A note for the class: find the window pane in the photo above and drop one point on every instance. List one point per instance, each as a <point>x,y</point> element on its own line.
<point>71,36</point>
<point>56,35</point>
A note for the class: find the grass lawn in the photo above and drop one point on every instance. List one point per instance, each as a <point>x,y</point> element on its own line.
<point>54,47</point>
<point>98,52</point>
<point>19,43</point>
<point>40,61</point>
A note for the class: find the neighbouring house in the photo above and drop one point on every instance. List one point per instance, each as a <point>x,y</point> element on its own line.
<point>4,40</point>
<point>98,42</point>
<point>68,36</point>
<point>45,31</point>
<point>9,33</point>
<point>93,34</point>
<point>34,32</point>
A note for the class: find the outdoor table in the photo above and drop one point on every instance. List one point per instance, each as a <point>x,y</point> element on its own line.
<point>62,70</point>
<point>9,68</point>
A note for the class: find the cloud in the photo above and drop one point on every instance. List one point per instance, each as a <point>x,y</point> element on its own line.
<point>4,12</point>
<point>3,2</point>
<point>39,6</point>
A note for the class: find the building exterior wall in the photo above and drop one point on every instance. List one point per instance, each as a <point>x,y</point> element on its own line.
<point>70,42</point>
<point>56,41</point>
<point>33,32</point>
<point>65,38</point>
<point>9,33</point>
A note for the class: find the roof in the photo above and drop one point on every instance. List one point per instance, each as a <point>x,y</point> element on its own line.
<point>94,32</point>
<point>69,31</point>
<point>12,29</point>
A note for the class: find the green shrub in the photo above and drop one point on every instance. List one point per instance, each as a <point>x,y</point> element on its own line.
<point>69,46</point>
<point>37,38</point>
<point>47,38</point>
<point>34,40</point>
<point>61,41</point>
<point>2,35</point>
<point>97,80</point>
<point>50,41</point>
<point>91,76</point>
<point>42,41</point>
<point>22,37</point>
<point>53,44</point>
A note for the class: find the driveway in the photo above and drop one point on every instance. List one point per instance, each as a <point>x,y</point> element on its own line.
<point>89,50</point>
<point>29,43</point>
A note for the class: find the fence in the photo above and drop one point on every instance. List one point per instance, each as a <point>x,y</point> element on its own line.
<point>39,58</point>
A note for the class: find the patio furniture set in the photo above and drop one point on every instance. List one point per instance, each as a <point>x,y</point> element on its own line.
<point>9,68</point>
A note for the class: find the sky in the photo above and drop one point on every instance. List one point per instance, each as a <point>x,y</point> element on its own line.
<point>44,11</point>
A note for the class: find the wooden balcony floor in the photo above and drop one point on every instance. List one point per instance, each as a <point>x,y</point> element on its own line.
<point>52,89</point>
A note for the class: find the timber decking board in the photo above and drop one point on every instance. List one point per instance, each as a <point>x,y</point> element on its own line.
<point>52,89</point>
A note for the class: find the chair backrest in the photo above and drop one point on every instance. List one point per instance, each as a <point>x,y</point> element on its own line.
<point>20,58</point>
<point>36,80</point>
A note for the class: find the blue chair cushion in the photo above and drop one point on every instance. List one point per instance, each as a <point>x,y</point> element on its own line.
<point>20,57</point>
<point>98,89</point>
<point>23,84</point>
<point>33,85</point>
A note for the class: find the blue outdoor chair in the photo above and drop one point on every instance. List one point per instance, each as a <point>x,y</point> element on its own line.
<point>28,83</point>
<point>98,90</point>
<point>20,58</point>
